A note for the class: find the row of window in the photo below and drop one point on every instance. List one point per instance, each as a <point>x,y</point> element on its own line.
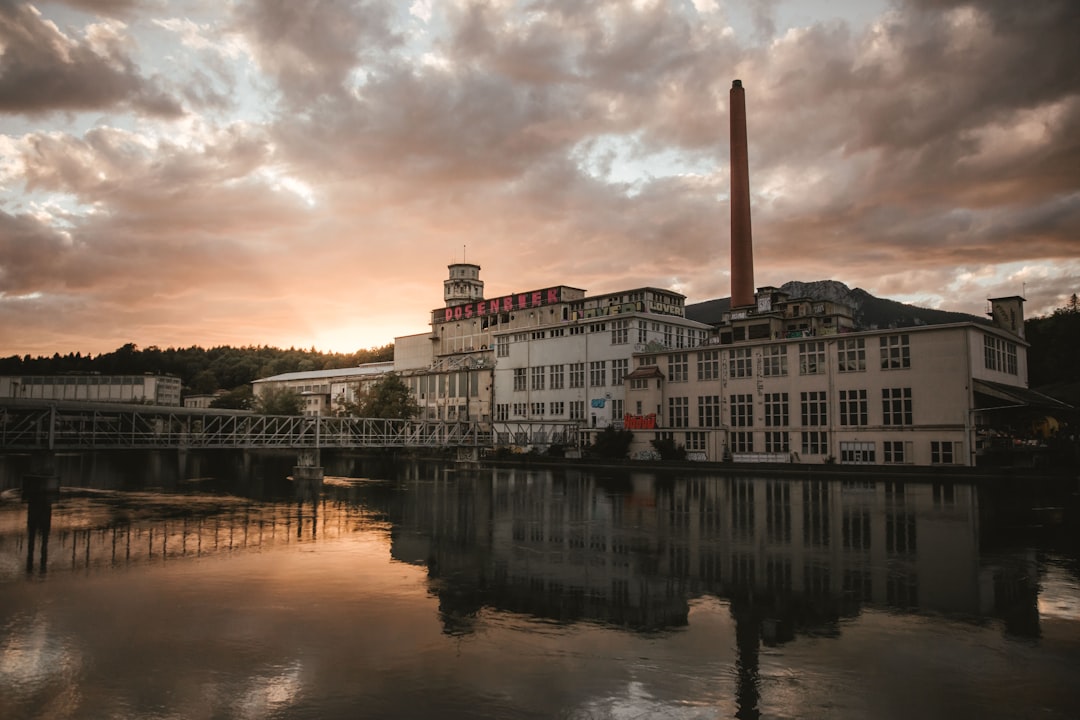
<point>555,409</point>
<point>554,377</point>
<point>999,354</point>
<point>622,333</point>
<point>896,409</point>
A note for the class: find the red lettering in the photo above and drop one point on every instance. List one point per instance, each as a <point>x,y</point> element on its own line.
<point>481,308</point>
<point>508,303</point>
<point>469,310</point>
<point>449,314</point>
<point>553,296</point>
<point>521,302</point>
<point>457,312</point>
<point>537,298</point>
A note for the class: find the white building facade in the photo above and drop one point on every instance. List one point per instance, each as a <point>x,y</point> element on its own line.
<point>137,389</point>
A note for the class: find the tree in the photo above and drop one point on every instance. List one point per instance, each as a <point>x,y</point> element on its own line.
<point>611,444</point>
<point>237,399</point>
<point>387,398</point>
<point>279,401</point>
<point>669,450</point>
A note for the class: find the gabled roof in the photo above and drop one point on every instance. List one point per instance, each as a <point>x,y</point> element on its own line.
<point>367,369</point>
<point>645,371</point>
<point>1015,396</point>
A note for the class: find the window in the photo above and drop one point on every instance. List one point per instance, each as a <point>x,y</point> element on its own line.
<point>742,410</point>
<point>519,409</point>
<point>942,453</point>
<point>999,354</point>
<point>577,329</point>
<point>678,367</point>
<point>619,368</point>
<point>639,384</point>
<point>814,408</point>
<point>556,376</point>
<point>742,442</point>
<point>678,415</point>
<point>577,409</point>
<point>851,354</point>
<point>895,352</point>
<point>538,377</point>
<point>739,363</point>
<point>776,409</point>
<point>708,411</point>
<point>519,379</point>
<point>896,452</point>
<point>896,406</point>
<point>815,442</point>
<point>617,409</point>
<point>538,409</point>
<point>774,361</point>
<point>558,408</point>
<point>577,375</point>
<point>502,346</point>
<point>620,332</point>
<point>695,441</point>
<point>598,373</point>
<point>642,331</point>
<point>857,453</point>
<point>853,407</point>
<point>708,365</point>
<point>777,442</point>
<point>811,358</point>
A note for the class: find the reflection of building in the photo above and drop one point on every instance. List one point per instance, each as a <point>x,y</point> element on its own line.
<point>145,389</point>
<point>806,552</point>
<point>326,392</point>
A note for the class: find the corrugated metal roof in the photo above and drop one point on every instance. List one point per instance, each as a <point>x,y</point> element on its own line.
<point>338,373</point>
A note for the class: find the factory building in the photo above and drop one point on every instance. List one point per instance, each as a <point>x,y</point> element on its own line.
<point>138,389</point>
<point>325,392</point>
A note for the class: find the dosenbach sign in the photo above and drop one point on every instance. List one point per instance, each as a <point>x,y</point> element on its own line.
<point>508,303</point>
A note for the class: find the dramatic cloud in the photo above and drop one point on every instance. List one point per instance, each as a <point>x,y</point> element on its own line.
<point>43,70</point>
<point>332,157</point>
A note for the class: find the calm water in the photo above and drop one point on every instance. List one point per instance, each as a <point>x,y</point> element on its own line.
<point>424,592</point>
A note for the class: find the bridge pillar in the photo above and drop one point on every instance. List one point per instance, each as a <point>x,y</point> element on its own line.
<point>307,466</point>
<point>468,456</point>
<point>40,489</point>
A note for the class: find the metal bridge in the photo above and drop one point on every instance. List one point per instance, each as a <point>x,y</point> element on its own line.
<point>69,426</point>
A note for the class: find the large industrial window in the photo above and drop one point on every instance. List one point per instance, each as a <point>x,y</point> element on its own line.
<point>708,365</point>
<point>709,411</point>
<point>776,409</point>
<point>851,354</point>
<point>774,361</point>
<point>896,406</point>
<point>678,415</point>
<point>815,410</point>
<point>811,358</point>
<point>742,410</point>
<point>740,363</point>
<point>853,407</point>
<point>678,367</point>
<point>895,352</point>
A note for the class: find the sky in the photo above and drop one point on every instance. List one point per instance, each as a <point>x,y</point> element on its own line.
<point>300,174</point>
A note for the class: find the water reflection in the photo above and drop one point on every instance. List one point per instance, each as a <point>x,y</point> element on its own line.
<point>675,595</point>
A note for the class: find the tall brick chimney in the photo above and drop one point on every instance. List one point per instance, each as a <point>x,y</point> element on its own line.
<point>742,246</point>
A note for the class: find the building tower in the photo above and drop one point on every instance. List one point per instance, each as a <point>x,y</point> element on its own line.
<point>742,247</point>
<point>464,284</point>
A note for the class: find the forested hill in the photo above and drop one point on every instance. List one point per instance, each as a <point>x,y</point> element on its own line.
<point>200,370</point>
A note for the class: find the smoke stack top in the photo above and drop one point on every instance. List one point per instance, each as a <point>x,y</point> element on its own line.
<point>742,246</point>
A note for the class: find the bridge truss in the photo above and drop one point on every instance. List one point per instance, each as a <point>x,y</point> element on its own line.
<point>98,426</point>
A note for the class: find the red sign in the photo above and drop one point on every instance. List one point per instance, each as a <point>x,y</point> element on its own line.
<point>481,308</point>
<point>639,422</point>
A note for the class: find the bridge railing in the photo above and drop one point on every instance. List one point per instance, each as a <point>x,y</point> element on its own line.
<point>78,426</point>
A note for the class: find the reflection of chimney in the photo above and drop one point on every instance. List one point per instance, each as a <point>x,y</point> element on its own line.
<point>742,246</point>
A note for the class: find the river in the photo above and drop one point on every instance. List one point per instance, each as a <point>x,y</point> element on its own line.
<point>415,590</point>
